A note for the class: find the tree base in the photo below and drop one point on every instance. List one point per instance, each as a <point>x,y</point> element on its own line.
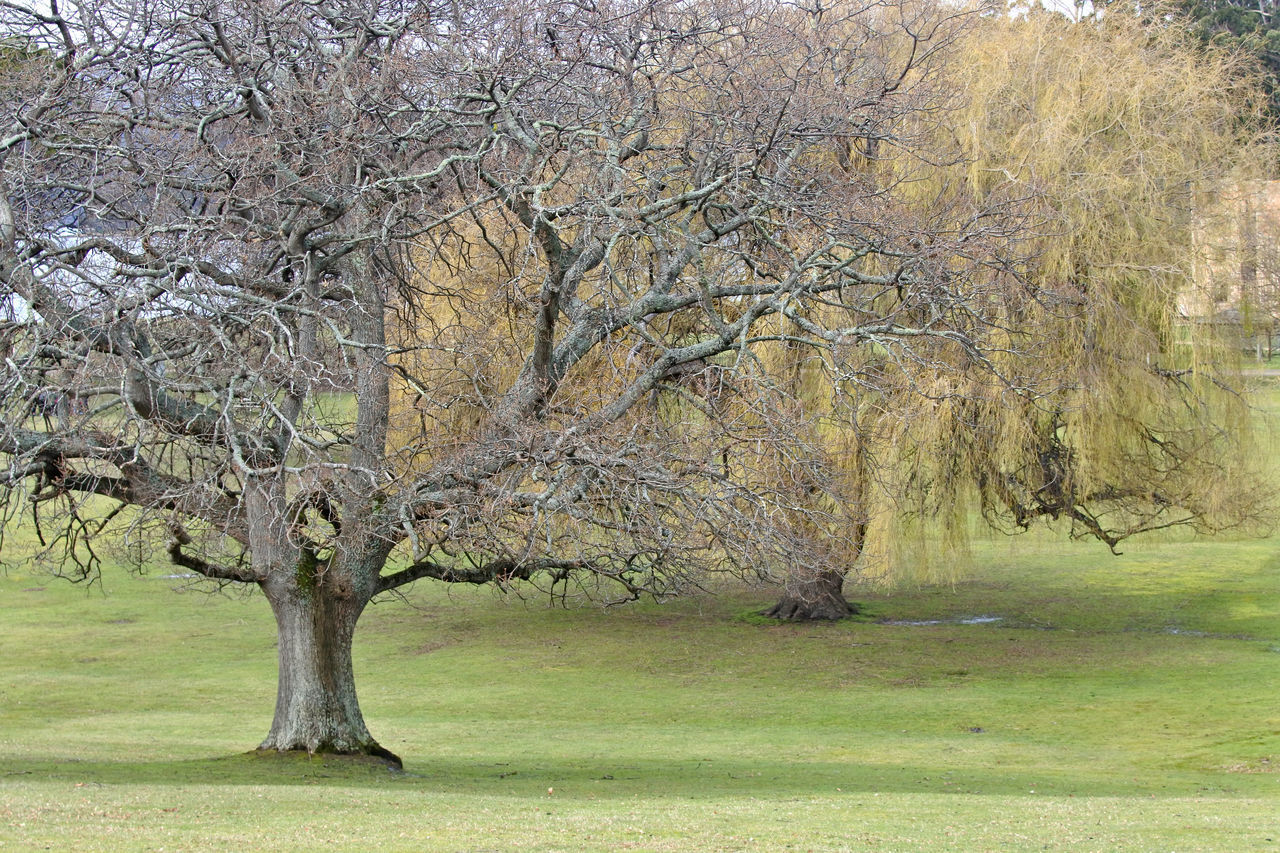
<point>814,598</point>
<point>797,610</point>
<point>374,755</point>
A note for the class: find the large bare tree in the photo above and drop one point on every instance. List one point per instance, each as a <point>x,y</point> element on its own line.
<point>328,297</point>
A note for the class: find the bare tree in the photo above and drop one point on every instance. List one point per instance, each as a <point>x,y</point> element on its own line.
<point>354,294</point>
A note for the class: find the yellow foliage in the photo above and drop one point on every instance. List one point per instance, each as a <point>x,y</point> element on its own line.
<point>1114,140</point>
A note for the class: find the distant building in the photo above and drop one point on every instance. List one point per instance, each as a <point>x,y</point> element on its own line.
<point>1236,279</point>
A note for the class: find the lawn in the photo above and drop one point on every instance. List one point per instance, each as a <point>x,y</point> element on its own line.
<point>1100,703</point>
<point>1054,697</point>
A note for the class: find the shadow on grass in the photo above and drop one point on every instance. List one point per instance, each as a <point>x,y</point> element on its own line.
<point>655,778</point>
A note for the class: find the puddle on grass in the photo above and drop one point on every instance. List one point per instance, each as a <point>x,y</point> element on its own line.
<point>967,620</point>
<point>1210,635</point>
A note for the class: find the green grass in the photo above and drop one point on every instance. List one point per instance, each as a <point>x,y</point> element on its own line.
<point>1119,703</point>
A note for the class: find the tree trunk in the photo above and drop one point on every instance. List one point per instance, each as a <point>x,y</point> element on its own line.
<point>813,596</point>
<point>316,707</point>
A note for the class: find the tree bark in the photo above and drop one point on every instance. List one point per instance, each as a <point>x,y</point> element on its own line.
<point>316,706</point>
<point>812,597</point>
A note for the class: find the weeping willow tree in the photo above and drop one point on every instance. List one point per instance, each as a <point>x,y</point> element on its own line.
<point>1101,406</point>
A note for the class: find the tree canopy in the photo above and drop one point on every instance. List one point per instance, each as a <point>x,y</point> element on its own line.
<point>1249,27</point>
<point>1120,143</point>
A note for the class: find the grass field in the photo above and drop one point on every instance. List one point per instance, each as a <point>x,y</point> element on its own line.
<point>1059,699</point>
<point>1105,703</point>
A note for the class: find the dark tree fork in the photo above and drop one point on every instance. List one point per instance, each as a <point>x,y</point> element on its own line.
<point>584,224</point>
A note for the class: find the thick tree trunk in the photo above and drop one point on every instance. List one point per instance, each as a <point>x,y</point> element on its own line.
<point>815,596</point>
<point>316,707</point>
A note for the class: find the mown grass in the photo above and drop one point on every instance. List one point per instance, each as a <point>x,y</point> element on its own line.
<point>1106,703</point>
<point>1119,703</point>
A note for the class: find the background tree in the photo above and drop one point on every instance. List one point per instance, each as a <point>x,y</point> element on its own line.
<point>1248,26</point>
<point>1123,139</point>
<point>215,216</point>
